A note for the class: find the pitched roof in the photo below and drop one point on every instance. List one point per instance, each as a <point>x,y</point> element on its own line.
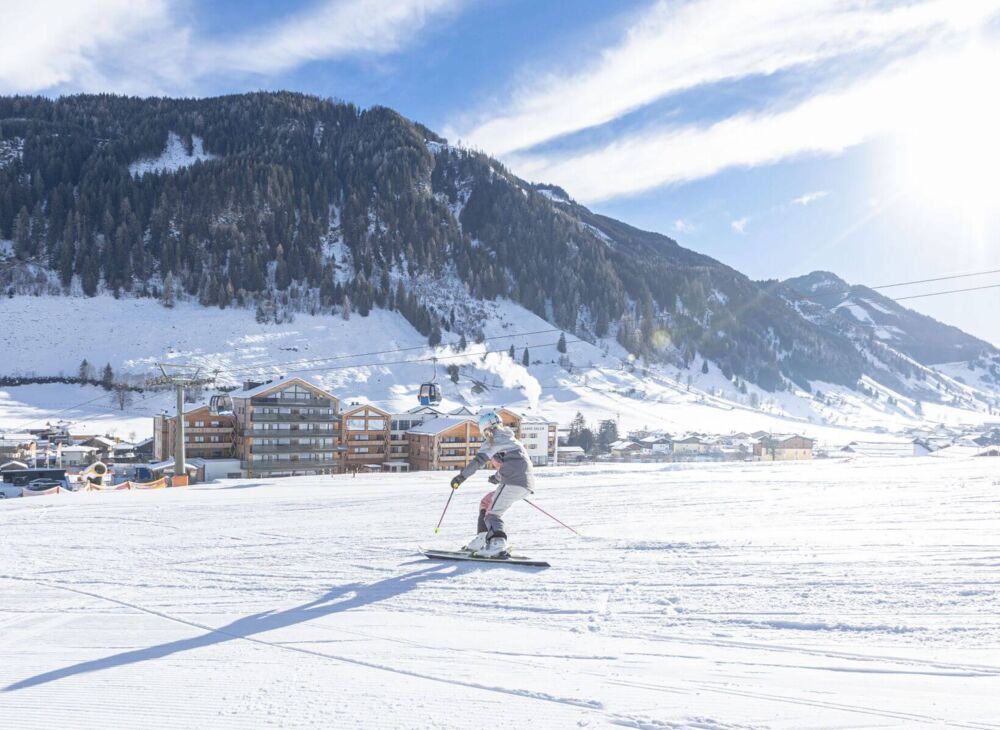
<point>276,384</point>
<point>361,406</point>
<point>439,425</point>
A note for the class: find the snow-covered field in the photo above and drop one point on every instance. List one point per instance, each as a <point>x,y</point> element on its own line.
<point>134,334</point>
<point>811,595</point>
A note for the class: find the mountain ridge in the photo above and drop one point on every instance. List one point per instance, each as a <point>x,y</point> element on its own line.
<point>295,203</point>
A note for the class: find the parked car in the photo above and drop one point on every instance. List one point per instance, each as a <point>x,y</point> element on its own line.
<point>37,485</point>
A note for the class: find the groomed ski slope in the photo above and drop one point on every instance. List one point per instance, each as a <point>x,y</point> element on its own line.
<point>826,594</point>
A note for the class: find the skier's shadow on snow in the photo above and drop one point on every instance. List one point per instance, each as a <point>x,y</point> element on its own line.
<point>341,598</point>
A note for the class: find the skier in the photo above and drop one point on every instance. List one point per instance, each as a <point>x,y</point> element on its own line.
<point>514,478</point>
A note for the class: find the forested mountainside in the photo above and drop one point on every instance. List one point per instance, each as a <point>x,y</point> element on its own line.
<point>284,201</point>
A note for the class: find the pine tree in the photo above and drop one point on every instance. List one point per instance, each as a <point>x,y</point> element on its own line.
<point>704,367</point>
<point>525,358</point>
<point>434,338</point>
<point>107,377</point>
<point>511,352</point>
<point>462,344</point>
<point>561,345</point>
<point>22,234</point>
<point>85,372</point>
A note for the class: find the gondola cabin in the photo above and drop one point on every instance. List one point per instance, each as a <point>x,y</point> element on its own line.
<point>430,394</point>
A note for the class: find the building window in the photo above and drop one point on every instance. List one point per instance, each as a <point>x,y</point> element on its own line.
<point>361,450</point>
<point>376,424</point>
<point>199,424</point>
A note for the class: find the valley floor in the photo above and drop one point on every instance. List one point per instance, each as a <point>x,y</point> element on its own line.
<point>823,594</point>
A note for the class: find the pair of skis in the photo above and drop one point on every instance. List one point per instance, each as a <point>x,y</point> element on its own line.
<point>506,559</point>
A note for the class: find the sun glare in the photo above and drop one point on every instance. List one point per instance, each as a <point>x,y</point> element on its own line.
<point>948,139</point>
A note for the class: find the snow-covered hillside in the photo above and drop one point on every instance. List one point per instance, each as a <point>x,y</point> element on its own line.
<point>812,595</point>
<point>381,358</point>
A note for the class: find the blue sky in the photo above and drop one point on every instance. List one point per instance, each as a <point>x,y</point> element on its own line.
<point>778,136</point>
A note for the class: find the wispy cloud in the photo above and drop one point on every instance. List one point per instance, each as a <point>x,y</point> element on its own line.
<point>683,226</point>
<point>151,46</point>
<point>739,225</point>
<point>807,198</point>
<point>675,46</point>
<point>824,124</point>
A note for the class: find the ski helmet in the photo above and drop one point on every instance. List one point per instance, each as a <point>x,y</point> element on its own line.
<point>488,420</point>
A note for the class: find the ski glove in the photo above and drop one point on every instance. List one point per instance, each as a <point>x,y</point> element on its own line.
<point>494,479</point>
<point>457,481</point>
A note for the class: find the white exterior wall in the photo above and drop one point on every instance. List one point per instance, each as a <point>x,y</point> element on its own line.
<point>535,437</point>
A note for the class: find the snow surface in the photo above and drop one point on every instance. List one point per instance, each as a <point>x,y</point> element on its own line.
<point>805,595</point>
<point>324,348</point>
<point>174,157</point>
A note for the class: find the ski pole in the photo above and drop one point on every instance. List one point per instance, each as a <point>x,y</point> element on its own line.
<point>438,528</point>
<point>554,518</point>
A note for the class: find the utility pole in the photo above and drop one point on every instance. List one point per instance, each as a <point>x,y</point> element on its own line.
<point>179,380</point>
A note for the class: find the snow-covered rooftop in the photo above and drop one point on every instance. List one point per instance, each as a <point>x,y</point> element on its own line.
<point>439,425</point>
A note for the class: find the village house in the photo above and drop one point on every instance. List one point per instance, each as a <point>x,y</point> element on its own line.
<point>690,446</point>
<point>105,446</point>
<point>366,437</point>
<point>790,447</point>
<point>447,443</point>
<point>625,448</point>
<point>19,446</point>
<point>571,454</point>
<point>656,445</point>
<point>76,455</point>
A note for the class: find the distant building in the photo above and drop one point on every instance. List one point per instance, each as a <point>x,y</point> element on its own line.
<point>105,446</point>
<point>206,435</point>
<point>539,438</point>
<point>689,446</point>
<point>399,443</point>
<point>656,445</point>
<point>443,444</point>
<point>20,446</point>
<point>77,455</point>
<point>571,454</point>
<point>287,427</point>
<point>366,437</point>
<point>789,447</point>
<point>625,448</point>
<point>887,448</point>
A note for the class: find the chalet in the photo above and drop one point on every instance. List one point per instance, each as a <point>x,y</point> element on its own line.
<point>366,437</point>
<point>287,427</point>
<point>625,448</point>
<point>443,444</point>
<point>656,445</point>
<point>784,447</point>
<point>18,446</point>
<point>105,446</point>
<point>690,446</point>
<point>571,454</point>
<point>77,455</point>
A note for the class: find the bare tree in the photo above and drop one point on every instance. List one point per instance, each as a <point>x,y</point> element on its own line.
<point>123,395</point>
